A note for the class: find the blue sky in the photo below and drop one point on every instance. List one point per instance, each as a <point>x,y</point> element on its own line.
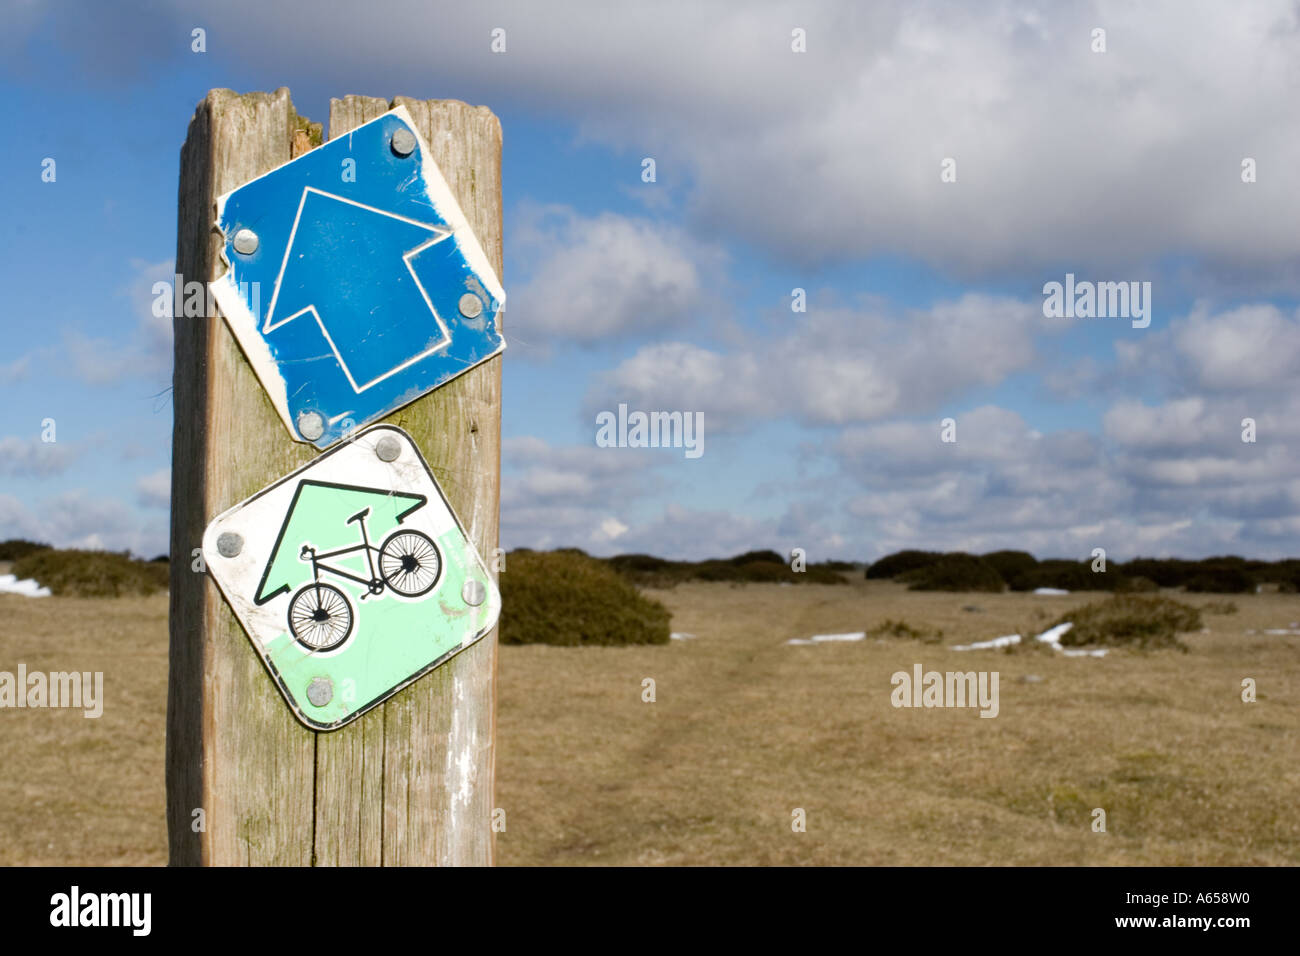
<point>775,170</point>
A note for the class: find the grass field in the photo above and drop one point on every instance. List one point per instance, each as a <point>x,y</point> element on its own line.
<point>746,728</point>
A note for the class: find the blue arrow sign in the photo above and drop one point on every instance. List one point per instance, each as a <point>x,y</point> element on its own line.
<point>355,284</point>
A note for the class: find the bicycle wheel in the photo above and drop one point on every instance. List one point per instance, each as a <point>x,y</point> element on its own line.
<point>409,563</point>
<point>320,617</point>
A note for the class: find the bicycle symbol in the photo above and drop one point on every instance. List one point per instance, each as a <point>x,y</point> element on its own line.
<point>320,614</point>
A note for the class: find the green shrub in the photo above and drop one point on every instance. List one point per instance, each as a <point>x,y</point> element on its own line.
<point>955,572</point>
<point>17,548</point>
<point>666,575</point>
<point>1233,561</point>
<point>902,630</point>
<point>819,574</point>
<point>761,567</point>
<point>569,599</point>
<point>92,573</point>
<point>1131,620</point>
<point>1166,572</point>
<point>1135,585</point>
<point>1067,575</point>
<point>892,565</point>
<point>637,562</point>
<point>758,557</point>
<point>1219,607</point>
<point>1221,580</point>
<point>1009,564</point>
<point>764,571</point>
<point>1285,574</point>
<point>834,566</point>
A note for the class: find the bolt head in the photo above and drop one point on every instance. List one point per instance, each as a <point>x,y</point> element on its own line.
<point>473,592</point>
<point>320,691</point>
<point>246,242</point>
<point>471,306</point>
<point>388,448</point>
<point>311,425</point>
<point>403,141</point>
<point>229,544</point>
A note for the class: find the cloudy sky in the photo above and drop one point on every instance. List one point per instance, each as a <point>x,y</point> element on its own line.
<point>775,170</point>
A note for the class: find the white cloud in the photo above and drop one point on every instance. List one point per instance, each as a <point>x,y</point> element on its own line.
<point>16,370</point>
<point>1251,347</point>
<point>1204,472</point>
<point>625,507</point>
<point>16,521</point>
<point>154,490</point>
<point>33,458</point>
<point>77,519</point>
<point>834,366</point>
<point>608,276</point>
<point>1248,351</point>
<point>1179,424</point>
<point>142,349</point>
<point>1003,484</point>
<point>557,496</point>
<point>612,528</point>
<point>1170,479</point>
<point>1103,160</point>
<point>987,434</point>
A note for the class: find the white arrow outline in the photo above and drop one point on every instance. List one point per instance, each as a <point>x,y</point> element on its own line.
<point>271,325</point>
<point>246,327</point>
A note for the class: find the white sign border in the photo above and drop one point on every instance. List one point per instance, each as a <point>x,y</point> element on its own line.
<point>246,326</point>
<point>409,474</point>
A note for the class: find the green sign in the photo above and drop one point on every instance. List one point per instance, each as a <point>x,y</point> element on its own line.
<point>352,577</point>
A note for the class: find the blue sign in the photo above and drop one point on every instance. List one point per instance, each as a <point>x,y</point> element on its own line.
<point>355,284</point>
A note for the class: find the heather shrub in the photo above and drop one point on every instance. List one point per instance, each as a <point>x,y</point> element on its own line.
<point>955,572</point>
<point>569,599</point>
<point>892,565</point>
<point>92,573</point>
<point>1131,620</point>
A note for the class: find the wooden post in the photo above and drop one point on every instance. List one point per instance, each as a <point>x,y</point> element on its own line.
<point>411,782</point>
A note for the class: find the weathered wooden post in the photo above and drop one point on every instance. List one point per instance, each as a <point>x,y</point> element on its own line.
<point>410,782</point>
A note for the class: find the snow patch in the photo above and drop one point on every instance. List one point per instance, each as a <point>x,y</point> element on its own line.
<point>828,638</point>
<point>1051,637</point>
<point>1053,634</point>
<point>9,584</point>
<point>1006,641</point>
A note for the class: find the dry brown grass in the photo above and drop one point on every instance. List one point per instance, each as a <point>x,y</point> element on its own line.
<point>79,791</point>
<point>745,729</point>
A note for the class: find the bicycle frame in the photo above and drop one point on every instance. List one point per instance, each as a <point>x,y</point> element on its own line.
<point>374,584</point>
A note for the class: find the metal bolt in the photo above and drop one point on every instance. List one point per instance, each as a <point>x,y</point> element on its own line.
<point>473,592</point>
<point>246,242</point>
<point>403,141</point>
<point>230,544</point>
<point>388,448</point>
<point>320,691</point>
<point>311,425</point>
<point>471,306</point>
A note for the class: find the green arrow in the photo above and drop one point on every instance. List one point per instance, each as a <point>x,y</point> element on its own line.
<point>318,515</point>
